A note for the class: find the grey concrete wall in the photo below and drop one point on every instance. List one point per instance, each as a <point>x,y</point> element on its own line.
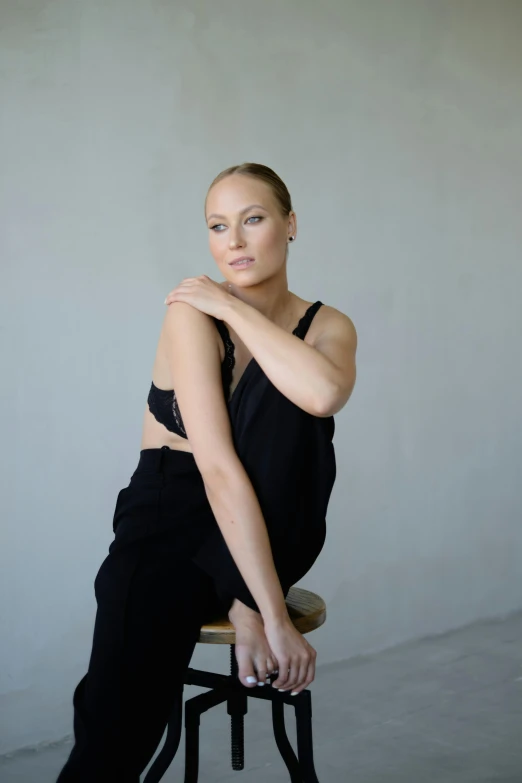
<point>397,127</point>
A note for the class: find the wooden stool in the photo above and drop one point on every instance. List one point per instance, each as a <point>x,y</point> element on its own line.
<point>307,612</point>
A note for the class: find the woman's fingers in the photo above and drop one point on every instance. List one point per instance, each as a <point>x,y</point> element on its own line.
<point>300,679</point>
<point>282,676</point>
<point>306,676</point>
<point>185,284</point>
<point>310,677</point>
<point>288,681</point>
<point>171,296</point>
<point>293,676</point>
<point>301,672</point>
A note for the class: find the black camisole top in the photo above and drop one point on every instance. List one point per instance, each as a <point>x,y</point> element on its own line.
<point>163,403</point>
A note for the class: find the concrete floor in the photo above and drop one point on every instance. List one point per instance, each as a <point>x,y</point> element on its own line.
<point>443,710</point>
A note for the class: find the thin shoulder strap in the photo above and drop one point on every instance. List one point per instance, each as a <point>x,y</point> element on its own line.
<point>304,324</point>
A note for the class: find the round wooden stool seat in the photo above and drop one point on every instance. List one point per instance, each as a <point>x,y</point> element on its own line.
<point>306,610</point>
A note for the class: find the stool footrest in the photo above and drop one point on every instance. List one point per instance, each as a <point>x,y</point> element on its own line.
<point>206,679</point>
<point>214,680</point>
<point>228,688</point>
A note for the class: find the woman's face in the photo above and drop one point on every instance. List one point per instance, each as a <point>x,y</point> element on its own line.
<point>245,222</point>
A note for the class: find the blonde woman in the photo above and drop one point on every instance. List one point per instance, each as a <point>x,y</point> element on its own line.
<point>226,509</point>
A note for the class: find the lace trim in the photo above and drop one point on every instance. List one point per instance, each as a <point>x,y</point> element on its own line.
<point>229,362</point>
<point>177,414</point>
<point>162,403</point>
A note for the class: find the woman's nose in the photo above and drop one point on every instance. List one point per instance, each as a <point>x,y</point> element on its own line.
<point>236,239</point>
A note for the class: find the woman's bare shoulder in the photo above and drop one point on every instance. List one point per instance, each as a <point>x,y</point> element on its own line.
<point>184,324</point>
<point>333,315</point>
<point>182,317</point>
<point>183,314</point>
<point>331,321</point>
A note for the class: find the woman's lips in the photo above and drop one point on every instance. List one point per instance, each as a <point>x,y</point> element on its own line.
<point>242,263</point>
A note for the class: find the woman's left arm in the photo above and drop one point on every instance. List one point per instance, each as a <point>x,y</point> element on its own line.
<point>318,378</point>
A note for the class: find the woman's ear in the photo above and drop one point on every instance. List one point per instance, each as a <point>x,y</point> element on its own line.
<point>292,227</point>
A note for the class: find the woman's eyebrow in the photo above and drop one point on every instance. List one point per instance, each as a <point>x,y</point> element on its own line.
<point>246,209</point>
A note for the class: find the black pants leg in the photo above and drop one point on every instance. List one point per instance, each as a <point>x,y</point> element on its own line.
<point>152,601</point>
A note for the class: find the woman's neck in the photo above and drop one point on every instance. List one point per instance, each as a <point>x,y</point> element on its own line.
<point>271,298</point>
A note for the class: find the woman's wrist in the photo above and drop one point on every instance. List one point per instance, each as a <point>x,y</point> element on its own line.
<point>276,617</point>
<point>232,307</point>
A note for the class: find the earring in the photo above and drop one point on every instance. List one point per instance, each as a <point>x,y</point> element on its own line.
<point>291,239</point>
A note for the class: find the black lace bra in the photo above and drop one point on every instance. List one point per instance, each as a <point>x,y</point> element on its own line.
<point>163,403</point>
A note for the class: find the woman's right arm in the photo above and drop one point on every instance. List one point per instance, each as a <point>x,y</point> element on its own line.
<point>195,364</point>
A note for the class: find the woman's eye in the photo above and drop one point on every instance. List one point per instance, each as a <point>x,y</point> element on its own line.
<point>219,227</point>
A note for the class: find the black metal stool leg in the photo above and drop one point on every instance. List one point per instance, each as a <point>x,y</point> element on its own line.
<point>305,747</point>
<point>282,741</point>
<point>169,749</point>
<point>237,707</point>
<point>194,708</point>
<point>192,721</point>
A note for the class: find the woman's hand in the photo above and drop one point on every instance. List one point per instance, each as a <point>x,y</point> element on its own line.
<point>204,294</point>
<point>295,657</point>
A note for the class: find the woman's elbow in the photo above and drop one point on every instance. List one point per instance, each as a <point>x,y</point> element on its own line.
<point>220,475</point>
<point>333,399</point>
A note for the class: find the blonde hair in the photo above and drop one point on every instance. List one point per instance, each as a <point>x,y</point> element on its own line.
<point>265,174</point>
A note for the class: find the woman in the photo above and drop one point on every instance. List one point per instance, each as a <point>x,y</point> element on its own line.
<point>226,509</point>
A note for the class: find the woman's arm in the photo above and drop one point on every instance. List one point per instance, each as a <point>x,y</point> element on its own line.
<point>319,378</point>
<point>196,369</point>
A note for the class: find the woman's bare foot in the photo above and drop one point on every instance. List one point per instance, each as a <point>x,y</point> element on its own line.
<point>254,657</point>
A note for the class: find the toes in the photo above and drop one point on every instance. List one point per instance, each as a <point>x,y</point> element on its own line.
<point>271,667</point>
<point>245,667</point>
<point>261,674</point>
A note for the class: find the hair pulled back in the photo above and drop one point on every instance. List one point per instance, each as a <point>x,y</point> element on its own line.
<point>264,174</point>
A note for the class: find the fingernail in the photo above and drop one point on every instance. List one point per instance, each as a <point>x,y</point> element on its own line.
<point>251,679</point>
<point>294,693</point>
<point>282,690</point>
<point>260,683</point>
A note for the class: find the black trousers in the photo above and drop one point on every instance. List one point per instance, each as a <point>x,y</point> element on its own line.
<point>151,602</point>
